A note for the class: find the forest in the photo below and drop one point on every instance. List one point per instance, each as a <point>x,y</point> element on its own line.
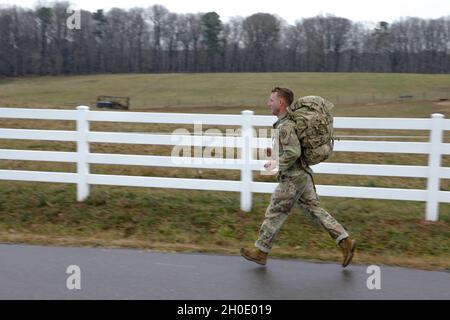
<point>55,40</point>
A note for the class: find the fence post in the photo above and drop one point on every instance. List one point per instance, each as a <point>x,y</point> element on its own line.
<point>434,166</point>
<point>82,153</point>
<point>246,159</point>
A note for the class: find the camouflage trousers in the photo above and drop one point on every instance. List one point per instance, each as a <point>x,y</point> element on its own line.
<point>298,189</point>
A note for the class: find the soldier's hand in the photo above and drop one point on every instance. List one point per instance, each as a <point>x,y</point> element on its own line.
<point>269,166</point>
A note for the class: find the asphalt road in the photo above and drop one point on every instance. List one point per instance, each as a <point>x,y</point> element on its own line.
<point>36,272</point>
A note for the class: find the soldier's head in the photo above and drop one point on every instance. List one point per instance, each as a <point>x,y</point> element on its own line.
<point>279,100</point>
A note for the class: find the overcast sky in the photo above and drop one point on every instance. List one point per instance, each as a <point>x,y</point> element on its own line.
<point>290,10</point>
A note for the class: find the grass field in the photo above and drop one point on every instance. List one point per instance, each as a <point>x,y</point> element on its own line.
<point>221,89</point>
<point>389,232</point>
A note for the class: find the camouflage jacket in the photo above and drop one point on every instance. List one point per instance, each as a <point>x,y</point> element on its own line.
<point>289,148</point>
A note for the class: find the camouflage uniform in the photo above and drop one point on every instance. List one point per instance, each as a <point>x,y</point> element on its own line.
<point>296,185</point>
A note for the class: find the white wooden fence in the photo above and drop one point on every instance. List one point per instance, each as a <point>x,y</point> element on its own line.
<point>434,172</point>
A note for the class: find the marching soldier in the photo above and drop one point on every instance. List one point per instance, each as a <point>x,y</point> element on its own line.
<point>296,185</point>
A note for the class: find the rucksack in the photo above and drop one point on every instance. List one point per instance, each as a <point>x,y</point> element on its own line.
<point>314,127</point>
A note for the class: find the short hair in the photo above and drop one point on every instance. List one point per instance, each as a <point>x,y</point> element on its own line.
<point>284,93</point>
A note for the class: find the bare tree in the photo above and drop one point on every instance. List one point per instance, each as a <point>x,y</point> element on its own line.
<point>314,44</point>
<point>137,33</point>
<point>337,33</point>
<point>38,41</point>
<point>235,46</point>
<point>261,35</point>
<point>158,16</point>
<point>44,15</point>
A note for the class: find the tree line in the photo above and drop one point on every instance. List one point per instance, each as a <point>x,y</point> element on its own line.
<point>155,40</point>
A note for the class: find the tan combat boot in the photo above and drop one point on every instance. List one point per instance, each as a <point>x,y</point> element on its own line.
<point>255,255</point>
<point>348,247</point>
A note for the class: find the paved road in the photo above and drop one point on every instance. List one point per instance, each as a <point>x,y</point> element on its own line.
<point>35,272</point>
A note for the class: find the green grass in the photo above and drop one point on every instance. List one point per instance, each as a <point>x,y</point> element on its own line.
<point>390,232</point>
<point>222,89</point>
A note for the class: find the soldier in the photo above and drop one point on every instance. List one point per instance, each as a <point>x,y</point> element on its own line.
<point>296,185</point>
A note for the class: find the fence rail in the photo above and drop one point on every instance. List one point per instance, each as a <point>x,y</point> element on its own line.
<point>435,148</point>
